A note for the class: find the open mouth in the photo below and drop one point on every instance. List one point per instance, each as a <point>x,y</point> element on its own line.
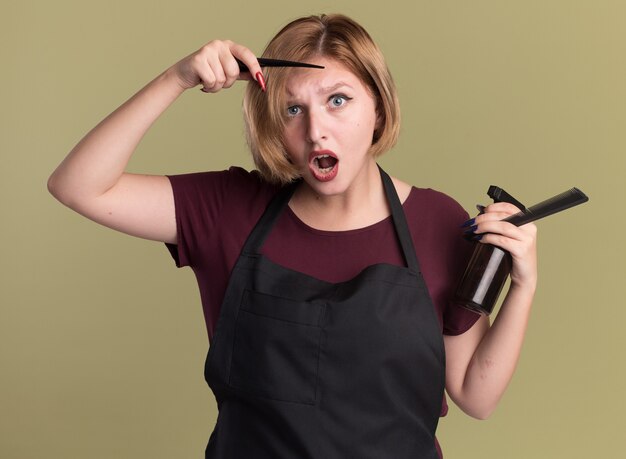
<point>324,166</point>
<point>325,163</point>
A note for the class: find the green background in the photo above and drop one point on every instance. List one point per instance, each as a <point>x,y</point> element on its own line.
<point>102,339</point>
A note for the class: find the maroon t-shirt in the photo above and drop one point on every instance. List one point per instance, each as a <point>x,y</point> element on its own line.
<point>216,211</point>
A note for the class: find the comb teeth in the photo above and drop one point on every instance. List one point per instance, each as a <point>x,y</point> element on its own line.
<point>558,203</point>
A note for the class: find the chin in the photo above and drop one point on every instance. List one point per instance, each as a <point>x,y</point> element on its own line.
<point>332,188</point>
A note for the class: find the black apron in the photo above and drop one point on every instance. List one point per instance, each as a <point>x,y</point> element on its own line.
<point>303,368</point>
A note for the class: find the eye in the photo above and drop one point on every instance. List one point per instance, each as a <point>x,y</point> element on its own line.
<point>293,110</point>
<point>338,100</point>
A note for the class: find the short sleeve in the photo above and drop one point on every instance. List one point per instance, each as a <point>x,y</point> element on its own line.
<point>443,254</point>
<point>457,319</point>
<point>198,199</point>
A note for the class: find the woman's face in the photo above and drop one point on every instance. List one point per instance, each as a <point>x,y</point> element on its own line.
<point>331,117</point>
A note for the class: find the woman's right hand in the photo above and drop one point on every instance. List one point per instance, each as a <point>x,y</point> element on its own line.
<point>214,67</point>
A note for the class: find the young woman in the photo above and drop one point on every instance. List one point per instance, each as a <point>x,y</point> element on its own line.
<point>327,285</point>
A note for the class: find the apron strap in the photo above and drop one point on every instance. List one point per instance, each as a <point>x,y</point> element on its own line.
<point>263,227</point>
<point>399,220</point>
<point>257,237</point>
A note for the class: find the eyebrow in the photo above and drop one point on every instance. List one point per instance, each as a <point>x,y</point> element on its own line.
<point>325,90</point>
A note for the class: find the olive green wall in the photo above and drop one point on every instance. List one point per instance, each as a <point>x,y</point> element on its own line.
<point>102,339</point>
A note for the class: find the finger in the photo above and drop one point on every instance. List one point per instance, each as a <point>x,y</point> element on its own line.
<point>500,227</point>
<point>484,222</point>
<point>208,80</point>
<point>497,211</point>
<point>249,59</point>
<point>516,247</point>
<point>215,63</point>
<point>491,216</point>
<point>229,70</point>
<point>246,56</point>
<point>519,246</point>
<point>502,207</point>
<point>517,241</point>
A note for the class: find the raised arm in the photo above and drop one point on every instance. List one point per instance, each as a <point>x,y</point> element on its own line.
<point>92,180</point>
<point>480,363</point>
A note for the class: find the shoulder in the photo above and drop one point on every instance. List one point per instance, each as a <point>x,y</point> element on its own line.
<point>428,203</point>
<point>232,183</point>
<point>426,198</point>
<point>434,216</point>
<point>233,176</point>
<point>224,204</point>
<point>434,202</point>
<point>205,198</point>
<point>435,221</point>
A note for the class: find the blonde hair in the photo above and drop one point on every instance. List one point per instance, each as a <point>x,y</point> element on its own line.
<point>333,36</point>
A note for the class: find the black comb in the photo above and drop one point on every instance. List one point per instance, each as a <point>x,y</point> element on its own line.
<point>558,203</point>
<point>266,62</point>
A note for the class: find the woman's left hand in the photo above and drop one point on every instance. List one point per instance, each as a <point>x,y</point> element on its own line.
<point>480,362</point>
<point>520,242</point>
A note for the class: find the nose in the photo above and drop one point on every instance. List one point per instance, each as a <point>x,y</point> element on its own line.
<point>316,126</point>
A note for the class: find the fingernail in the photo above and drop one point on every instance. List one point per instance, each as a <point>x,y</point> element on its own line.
<point>260,80</point>
<point>471,230</point>
<point>203,89</point>
<point>477,237</point>
<point>471,221</point>
<point>480,208</point>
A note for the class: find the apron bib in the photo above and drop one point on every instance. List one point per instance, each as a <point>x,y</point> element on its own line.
<point>303,368</point>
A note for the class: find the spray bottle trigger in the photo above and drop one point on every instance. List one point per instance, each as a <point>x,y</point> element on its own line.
<point>499,195</point>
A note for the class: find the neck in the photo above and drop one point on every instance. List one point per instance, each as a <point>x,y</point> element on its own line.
<point>362,204</point>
